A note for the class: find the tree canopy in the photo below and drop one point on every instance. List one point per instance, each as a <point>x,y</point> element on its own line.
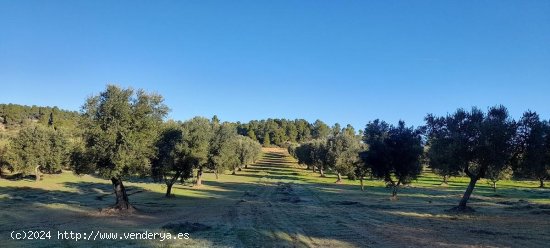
<point>532,158</point>
<point>120,127</point>
<point>38,148</point>
<point>343,153</point>
<point>393,152</point>
<point>474,143</point>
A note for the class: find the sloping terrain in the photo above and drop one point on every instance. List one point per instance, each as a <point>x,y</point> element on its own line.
<point>276,203</point>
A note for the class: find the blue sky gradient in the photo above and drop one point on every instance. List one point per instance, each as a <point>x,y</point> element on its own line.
<point>339,61</point>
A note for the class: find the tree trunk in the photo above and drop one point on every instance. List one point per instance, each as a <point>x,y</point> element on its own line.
<point>233,173</point>
<point>321,171</point>
<point>246,166</point>
<point>395,188</point>
<point>122,202</point>
<point>307,168</point>
<point>494,186</point>
<point>339,178</point>
<point>467,194</point>
<point>199,177</point>
<point>362,185</point>
<point>313,168</point>
<point>169,190</point>
<point>541,180</point>
<point>170,183</point>
<point>445,179</point>
<point>37,173</point>
<point>216,174</point>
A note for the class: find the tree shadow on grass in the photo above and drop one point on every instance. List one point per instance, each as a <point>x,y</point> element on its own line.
<point>258,213</point>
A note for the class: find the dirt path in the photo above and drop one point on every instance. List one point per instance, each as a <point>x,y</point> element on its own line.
<point>283,211</point>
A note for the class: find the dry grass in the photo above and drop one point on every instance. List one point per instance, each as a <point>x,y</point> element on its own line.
<point>276,203</point>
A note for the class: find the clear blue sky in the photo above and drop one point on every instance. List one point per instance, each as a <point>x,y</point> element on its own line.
<point>339,61</point>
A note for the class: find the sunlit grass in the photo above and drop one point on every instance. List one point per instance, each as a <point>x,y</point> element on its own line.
<point>72,200</point>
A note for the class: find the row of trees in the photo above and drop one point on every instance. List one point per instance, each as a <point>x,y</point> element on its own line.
<point>200,143</point>
<point>282,131</point>
<point>122,133</point>
<point>466,143</point>
<point>386,152</point>
<point>338,152</point>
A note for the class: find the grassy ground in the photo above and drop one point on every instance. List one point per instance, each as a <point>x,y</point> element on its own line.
<point>277,203</point>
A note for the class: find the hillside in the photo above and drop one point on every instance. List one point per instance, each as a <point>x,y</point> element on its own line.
<point>14,116</point>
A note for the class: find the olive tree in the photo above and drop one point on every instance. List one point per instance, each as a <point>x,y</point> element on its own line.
<point>319,155</point>
<point>223,149</point>
<point>247,151</point>
<point>303,154</point>
<point>197,135</point>
<point>361,170</point>
<point>439,153</point>
<point>314,154</point>
<point>120,127</point>
<point>394,153</point>
<point>37,148</point>
<point>494,175</point>
<point>477,143</point>
<point>171,162</point>
<point>533,154</point>
<point>343,154</point>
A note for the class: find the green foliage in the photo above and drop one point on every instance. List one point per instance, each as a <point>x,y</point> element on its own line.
<point>38,146</point>
<point>314,154</point>
<point>320,154</point>
<point>291,132</point>
<point>120,128</point>
<point>215,120</point>
<point>248,150</point>
<point>493,176</point>
<point>14,116</point>
<point>393,152</point>
<point>320,130</point>
<point>343,153</point>
<point>303,154</point>
<point>223,147</point>
<point>252,135</point>
<point>266,140</point>
<point>197,135</point>
<point>170,162</point>
<point>377,157</point>
<point>278,131</point>
<point>473,142</point>
<point>532,158</point>
<point>336,129</point>
<point>349,130</point>
<point>292,150</point>
<point>440,151</point>
<point>59,151</point>
<point>178,151</point>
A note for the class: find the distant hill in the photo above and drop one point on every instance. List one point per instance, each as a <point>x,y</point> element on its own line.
<point>15,116</point>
